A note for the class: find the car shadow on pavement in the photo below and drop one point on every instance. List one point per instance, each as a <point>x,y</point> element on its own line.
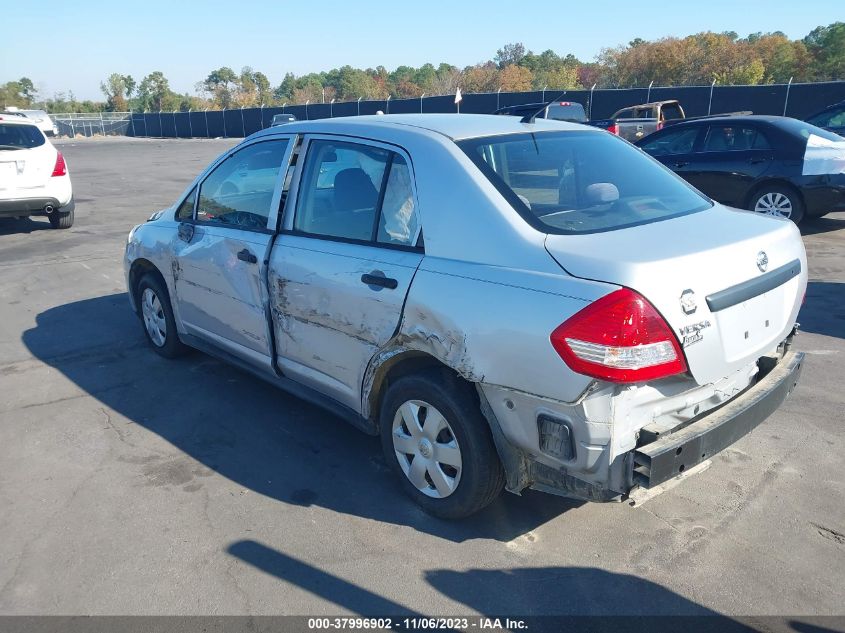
<point>9,226</point>
<point>823,311</point>
<point>814,226</point>
<point>548,598</point>
<point>247,430</point>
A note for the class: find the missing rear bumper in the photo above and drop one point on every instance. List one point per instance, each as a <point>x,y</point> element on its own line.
<point>674,454</point>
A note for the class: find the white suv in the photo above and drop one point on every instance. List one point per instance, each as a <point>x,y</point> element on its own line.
<point>34,178</point>
<point>40,117</point>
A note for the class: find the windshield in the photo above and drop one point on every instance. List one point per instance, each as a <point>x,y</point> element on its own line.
<point>16,136</point>
<point>581,181</point>
<point>804,129</point>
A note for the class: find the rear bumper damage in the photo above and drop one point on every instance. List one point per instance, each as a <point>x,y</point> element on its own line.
<point>670,455</point>
<point>586,470</point>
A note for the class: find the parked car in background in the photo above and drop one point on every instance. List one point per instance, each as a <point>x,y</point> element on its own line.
<point>635,122</point>
<point>832,118</point>
<point>506,304</point>
<point>34,178</point>
<point>570,111</point>
<point>773,165</point>
<point>40,117</point>
<point>281,119</point>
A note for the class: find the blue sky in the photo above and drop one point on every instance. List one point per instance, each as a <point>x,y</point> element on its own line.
<point>65,46</point>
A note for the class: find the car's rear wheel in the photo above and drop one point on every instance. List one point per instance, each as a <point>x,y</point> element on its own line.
<point>778,201</point>
<point>157,317</point>
<point>59,220</point>
<point>438,443</point>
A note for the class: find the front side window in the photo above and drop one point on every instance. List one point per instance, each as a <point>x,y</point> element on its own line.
<point>679,141</point>
<point>186,209</point>
<point>581,182</point>
<point>356,192</point>
<point>734,138</point>
<point>239,192</point>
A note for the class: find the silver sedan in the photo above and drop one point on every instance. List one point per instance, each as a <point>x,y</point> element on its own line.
<point>508,303</point>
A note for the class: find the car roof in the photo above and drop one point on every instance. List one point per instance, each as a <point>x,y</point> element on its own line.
<point>454,126</point>
<point>741,118</point>
<point>10,117</point>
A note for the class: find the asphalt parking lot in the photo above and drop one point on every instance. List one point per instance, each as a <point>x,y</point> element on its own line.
<point>134,485</point>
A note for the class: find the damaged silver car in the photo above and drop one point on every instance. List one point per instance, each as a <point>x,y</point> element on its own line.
<point>517,304</point>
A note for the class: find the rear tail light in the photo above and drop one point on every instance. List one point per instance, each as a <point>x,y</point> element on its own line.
<point>619,338</point>
<point>60,169</point>
<point>659,125</point>
<point>613,129</point>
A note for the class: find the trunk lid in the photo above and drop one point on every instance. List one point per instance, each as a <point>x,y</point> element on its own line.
<point>701,273</point>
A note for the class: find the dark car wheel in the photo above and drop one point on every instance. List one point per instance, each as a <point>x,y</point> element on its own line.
<point>778,201</point>
<point>157,317</point>
<point>440,446</point>
<point>59,220</point>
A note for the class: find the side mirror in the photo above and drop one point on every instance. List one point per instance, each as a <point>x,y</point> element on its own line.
<point>186,231</point>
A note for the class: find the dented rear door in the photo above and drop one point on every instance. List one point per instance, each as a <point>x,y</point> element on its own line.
<point>342,267</point>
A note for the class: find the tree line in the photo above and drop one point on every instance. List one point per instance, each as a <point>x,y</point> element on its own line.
<point>699,59</point>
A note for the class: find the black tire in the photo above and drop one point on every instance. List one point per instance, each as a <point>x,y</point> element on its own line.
<point>171,347</point>
<point>59,220</point>
<point>797,213</point>
<point>482,476</point>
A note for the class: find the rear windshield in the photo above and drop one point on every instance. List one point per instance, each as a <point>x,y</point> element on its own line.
<point>580,181</point>
<point>16,136</point>
<point>566,112</point>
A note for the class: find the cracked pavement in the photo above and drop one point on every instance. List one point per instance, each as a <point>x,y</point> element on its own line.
<point>134,485</point>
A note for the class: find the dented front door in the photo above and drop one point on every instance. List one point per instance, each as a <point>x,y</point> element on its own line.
<point>220,255</point>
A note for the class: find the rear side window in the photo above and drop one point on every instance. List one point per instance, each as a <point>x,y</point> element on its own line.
<point>16,136</point>
<point>734,138</point>
<point>580,181</point>
<point>678,141</point>
<point>356,192</point>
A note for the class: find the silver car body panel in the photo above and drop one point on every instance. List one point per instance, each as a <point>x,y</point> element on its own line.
<point>484,296</point>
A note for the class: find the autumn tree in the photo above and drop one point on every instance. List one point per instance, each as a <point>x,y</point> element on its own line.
<point>515,78</point>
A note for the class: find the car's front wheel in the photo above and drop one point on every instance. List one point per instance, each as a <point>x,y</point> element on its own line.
<point>438,443</point>
<point>778,201</point>
<point>157,317</point>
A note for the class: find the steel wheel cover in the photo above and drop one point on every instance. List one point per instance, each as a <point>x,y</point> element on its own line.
<point>154,320</point>
<point>774,203</point>
<point>427,449</point>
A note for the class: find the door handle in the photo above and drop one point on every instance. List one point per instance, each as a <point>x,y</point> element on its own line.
<point>755,161</point>
<point>246,256</point>
<point>372,279</point>
<point>680,164</point>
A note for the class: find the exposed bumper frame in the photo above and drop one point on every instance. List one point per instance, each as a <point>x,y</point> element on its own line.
<point>671,455</point>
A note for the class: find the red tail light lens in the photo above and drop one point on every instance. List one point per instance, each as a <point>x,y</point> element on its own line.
<point>619,338</point>
<point>659,125</point>
<point>613,129</point>
<point>60,168</point>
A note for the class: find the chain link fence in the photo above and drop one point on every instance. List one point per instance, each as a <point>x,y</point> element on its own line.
<point>73,124</point>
